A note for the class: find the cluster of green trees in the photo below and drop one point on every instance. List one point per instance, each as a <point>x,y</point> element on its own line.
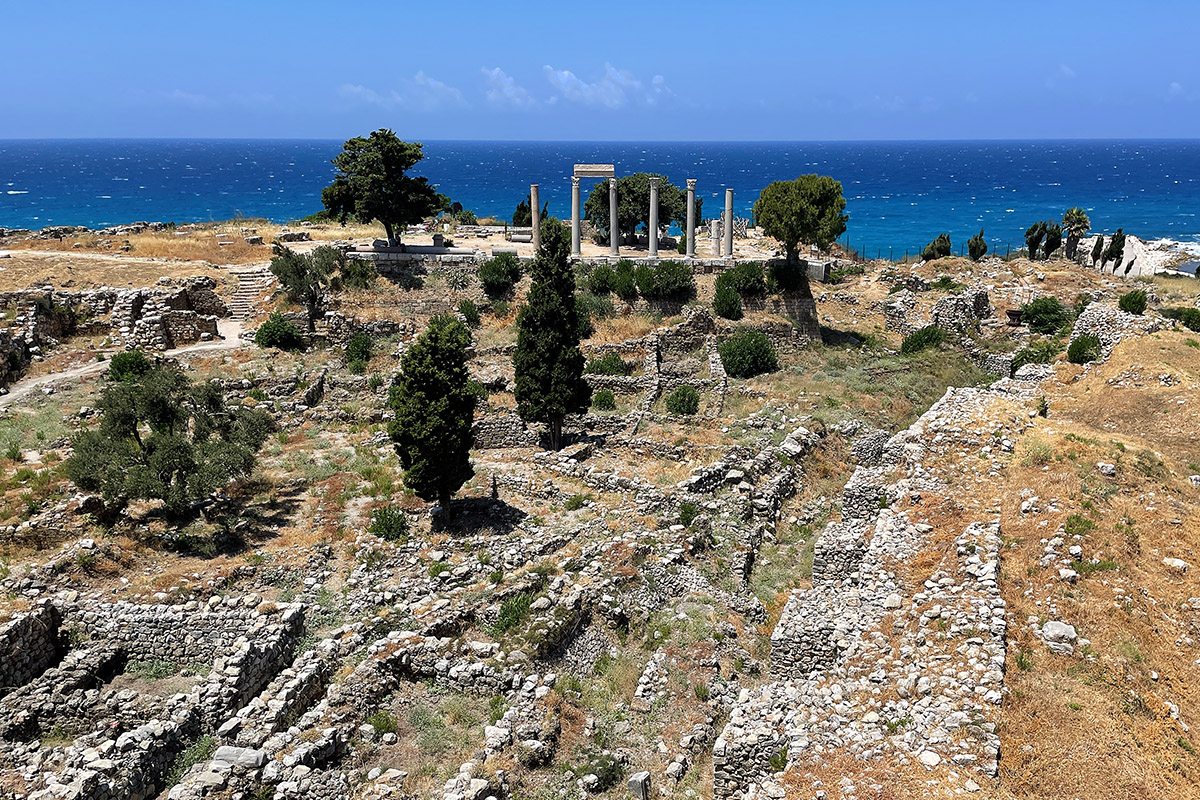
<point>307,278</point>
<point>664,281</point>
<point>163,437</point>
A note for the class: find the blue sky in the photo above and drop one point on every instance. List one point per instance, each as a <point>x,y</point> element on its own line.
<point>602,70</point>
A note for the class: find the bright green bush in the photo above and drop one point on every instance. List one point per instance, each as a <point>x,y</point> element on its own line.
<point>128,365</point>
<point>727,303</point>
<point>470,313</point>
<point>938,248</point>
<point>389,523</point>
<point>499,274</point>
<point>684,400</point>
<point>1084,349</point>
<point>1190,317</point>
<point>601,280</point>
<point>915,342</point>
<point>604,400</point>
<point>1045,315</point>
<point>623,284</point>
<point>747,278</point>
<point>748,354</point>
<point>359,347</point>
<point>1133,302</point>
<point>608,364</point>
<point>278,332</point>
<point>1042,351</point>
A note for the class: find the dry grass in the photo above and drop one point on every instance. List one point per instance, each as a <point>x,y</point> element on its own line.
<point>1106,714</point>
<point>76,270</point>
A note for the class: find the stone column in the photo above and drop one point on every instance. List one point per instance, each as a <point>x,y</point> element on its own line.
<point>728,223</point>
<point>714,240</point>
<point>652,233</point>
<point>613,233</point>
<point>536,208</point>
<point>575,215</point>
<point>690,233</point>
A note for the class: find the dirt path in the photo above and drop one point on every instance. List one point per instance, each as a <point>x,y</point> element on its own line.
<point>229,328</point>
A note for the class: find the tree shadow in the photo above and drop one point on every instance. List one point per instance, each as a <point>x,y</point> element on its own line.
<point>832,337</point>
<point>475,514</point>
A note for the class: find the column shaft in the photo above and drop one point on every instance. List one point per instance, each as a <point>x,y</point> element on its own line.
<point>690,233</point>
<point>614,233</point>
<point>574,215</point>
<point>728,223</point>
<point>652,233</point>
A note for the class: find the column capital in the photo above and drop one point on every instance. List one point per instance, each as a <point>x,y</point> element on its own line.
<point>654,181</point>
<point>574,180</point>
<point>533,186</point>
<point>691,184</point>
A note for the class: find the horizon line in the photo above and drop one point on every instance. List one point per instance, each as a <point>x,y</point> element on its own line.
<point>601,141</point>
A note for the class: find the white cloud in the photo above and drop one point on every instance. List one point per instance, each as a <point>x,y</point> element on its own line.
<point>1062,75</point>
<point>419,93</point>
<point>1175,89</point>
<point>616,89</point>
<point>503,90</point>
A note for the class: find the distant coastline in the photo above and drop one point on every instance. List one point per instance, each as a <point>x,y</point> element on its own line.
<point>899,194</point>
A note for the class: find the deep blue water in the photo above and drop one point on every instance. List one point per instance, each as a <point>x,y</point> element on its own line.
<point>899,194</point>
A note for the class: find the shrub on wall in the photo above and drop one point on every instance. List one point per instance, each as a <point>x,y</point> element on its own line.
<point>1084,349</point>
<point>748,354</point>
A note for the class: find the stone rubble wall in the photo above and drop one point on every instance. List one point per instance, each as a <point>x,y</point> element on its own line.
<point>30,644</point>
<point>828,653</point>
<point>1110,325</point>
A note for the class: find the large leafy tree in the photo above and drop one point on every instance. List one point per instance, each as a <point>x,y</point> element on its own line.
<point>434,402</point>
<point>548,363</point>
<point>1054,238</point>
<point>1076,223</point>
<point>809,209</point>
<point>633,204</point>
<point>161,437</point>
<point>371,183</point>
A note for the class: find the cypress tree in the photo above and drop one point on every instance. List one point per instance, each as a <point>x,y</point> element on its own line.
<point>976,246</point>
<point>434,400</point>
<point>1098,251</point>
<point>548,363</point>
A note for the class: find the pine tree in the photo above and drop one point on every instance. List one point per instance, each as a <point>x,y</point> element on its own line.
<point>434,400</point>
<point>548,363</point>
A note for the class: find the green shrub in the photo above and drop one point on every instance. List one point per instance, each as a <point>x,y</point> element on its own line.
<point>915,342</point>
<point>746,278</point>
<point>727,303</point>
<point>357,367</point>
<point>359,347</point>
<point>128,365</point>
<point>357,273</point>
<point>1190,317</point>
<point>684,400</point>
<point>390,524</point>
<point>623,284</point>
<point>668,280</point>
<point>278,332</point>
<point>594,306</point>
<point>604,400</point>
<point>1134,302</point>
<point>374,382</point>
<point>938,248</point>
<point>1082,301</point>
<point>1042,351</point>
<point>257,393</point>
<point>575,502</point>
<point>601,280</point>
<point>608,364</point>
<point>748,354</point>
<point>1045,315</point>
<point>470,313</point>
<point>499,274</point>
<point>688,511</point>
<point>513,612</point>
<point>381,721</point>
<point>1084,349</point>
<point>945,283</point>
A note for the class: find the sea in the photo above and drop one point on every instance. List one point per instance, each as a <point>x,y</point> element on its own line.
<point>899,195</point>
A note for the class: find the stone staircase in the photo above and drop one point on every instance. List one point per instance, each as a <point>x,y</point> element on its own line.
<point>254,286</point>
